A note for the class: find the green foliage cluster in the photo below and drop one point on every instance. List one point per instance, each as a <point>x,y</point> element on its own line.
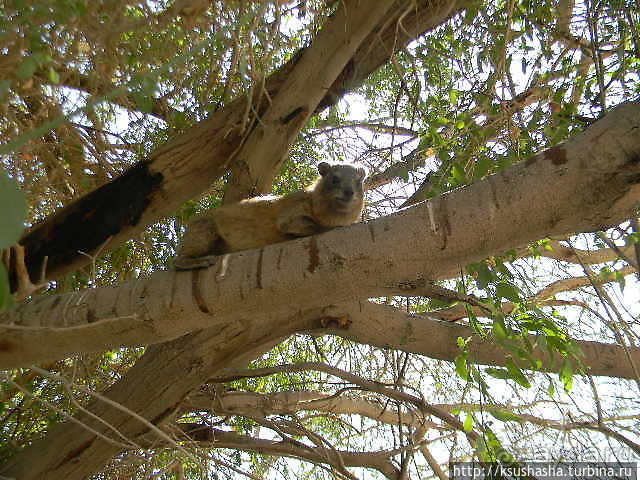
<point>13,209</point>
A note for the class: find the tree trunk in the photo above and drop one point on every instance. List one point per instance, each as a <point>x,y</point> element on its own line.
<point>163,377</point>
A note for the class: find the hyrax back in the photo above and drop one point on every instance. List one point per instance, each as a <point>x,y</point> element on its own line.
<point>336,199</point>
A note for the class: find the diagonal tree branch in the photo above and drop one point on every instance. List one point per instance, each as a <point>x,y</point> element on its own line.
<point>71,451</point>
<point>387,327</point>
<point>186,166</point>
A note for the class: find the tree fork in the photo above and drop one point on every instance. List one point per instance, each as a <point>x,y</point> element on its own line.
<point>187,165</point>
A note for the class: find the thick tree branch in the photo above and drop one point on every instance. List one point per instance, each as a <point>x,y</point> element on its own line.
<point>298,96</point>
<point>388,327</point>
<point>253,404</point>
<point>585,184</point>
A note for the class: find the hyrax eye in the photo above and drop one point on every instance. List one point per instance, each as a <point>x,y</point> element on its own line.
<point>335,180</point>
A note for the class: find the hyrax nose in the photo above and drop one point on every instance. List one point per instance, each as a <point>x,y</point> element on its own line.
<point>347,192</point>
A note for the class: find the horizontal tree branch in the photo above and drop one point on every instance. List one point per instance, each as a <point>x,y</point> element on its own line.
<point>562,252</point>
<point>228,375</point>
<point>254,404</point>
<point>206,436</point>
<point>387,327</point>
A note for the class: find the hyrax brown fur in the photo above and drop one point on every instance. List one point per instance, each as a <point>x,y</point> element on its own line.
<point>334,200</point>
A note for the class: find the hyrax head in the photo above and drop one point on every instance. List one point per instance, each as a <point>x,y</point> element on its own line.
<point>341,185</point>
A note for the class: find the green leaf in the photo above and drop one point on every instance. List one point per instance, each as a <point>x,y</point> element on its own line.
<point>458,173</point>
<point>483,275</point>
<point>491,448</point>
<point>516,374</point>
<point>499,330</point>
<point>461,367</point>
<point>505,416</point>
<point>53,76</point>
<point>481,167</point>
<point>508,291</point>
<point>6,299</point>
<point>566,375</point>
<point>143,101</point>
<point>501,373</point>
<point>13,210</point>
<point>475,324</point>
<point>468,422</point>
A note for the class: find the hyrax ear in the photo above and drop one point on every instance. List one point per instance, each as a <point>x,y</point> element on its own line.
<point>361,173</point>
<point>323,168</point>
